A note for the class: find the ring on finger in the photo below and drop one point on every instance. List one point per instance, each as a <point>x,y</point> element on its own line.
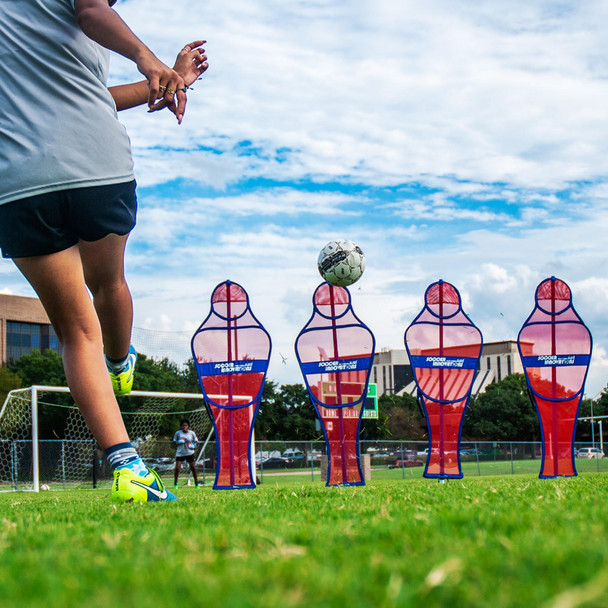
<point>171,91</point>
<point>162,88</point>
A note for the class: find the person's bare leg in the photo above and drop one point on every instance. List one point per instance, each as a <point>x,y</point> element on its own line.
<point>193,469</point>
<point>59,282</point>
<point>103,264</point>
<point>178,466</point>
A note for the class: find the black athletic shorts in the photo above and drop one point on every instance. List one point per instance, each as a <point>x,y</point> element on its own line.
<point>51,222</point>
<point>186,458</point>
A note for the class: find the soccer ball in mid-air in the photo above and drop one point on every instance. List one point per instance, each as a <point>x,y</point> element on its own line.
<point>341,262</point>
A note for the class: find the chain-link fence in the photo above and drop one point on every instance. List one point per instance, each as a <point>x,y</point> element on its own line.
<point>407,459</point>
<point>80,464</point>
<point>73,460</point>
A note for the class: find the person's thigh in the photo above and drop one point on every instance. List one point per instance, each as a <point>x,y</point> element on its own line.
<point>103,217</point>
<point>103,261</point>
<point>59,282</point>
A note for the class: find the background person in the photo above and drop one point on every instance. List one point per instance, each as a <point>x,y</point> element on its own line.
<point>67,192</point>
<point>185,440</point>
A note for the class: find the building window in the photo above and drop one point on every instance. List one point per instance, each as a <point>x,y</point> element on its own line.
<point>509,368</point>
<point>499,371</point>
<point>402,376</point>
<point>384,379</point>
<point>489,363</point>
<point>21,338</point>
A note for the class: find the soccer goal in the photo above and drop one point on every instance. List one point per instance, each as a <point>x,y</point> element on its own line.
<point>46,444</point>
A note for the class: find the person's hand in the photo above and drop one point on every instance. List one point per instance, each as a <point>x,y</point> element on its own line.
<point>164,86</point>
<point>191,62</point>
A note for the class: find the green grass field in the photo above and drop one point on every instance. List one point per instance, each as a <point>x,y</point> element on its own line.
<point>484,541</point>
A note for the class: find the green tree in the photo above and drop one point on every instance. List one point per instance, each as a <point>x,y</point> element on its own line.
<point>376,428</point>
<point>45,369</point>
<point>37,368</point>
<point>285,413</point>
<point>299,423</point>
<point>600,408</point>
<point>399,417</point>
<point>157,375</point>
<point>189,377</point>
<point>150,375</point>
<point>8,382</point>
<point>504,412</point>
<point>271,410</point>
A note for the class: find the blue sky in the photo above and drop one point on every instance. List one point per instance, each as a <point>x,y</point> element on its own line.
<point>458,140</point>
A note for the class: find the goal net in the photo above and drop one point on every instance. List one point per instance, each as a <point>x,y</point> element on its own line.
<point>45,442</point>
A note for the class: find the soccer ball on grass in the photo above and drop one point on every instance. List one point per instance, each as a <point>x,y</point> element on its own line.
<point>341,262</point>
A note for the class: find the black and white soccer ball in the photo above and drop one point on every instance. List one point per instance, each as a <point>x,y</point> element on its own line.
<point>341,262</point>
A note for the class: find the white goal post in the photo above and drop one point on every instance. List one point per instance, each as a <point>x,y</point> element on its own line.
<point>70,456</point>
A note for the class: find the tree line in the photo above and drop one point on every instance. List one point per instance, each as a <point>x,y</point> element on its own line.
<point>504,412</point>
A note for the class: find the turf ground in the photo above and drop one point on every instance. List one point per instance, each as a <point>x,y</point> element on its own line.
<point>483,541</point>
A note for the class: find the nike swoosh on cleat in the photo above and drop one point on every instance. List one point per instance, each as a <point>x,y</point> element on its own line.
<point>160,495</point>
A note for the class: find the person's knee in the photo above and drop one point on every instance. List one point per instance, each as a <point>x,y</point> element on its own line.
<point>108,287</point>
<point>79,328</point>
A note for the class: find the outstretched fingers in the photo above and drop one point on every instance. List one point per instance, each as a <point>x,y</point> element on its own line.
<point>191,46</point>
<point>191,62</point>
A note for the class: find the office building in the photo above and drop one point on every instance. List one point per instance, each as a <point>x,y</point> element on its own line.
<point>393,374</point>
<point>24,325</point>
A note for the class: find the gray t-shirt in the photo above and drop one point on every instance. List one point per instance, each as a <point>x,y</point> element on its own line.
<point>59,127</point>
<point>189,439</point>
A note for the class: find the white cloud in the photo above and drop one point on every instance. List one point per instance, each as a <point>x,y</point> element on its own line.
<point>456,140</point>
<point>491,91</point>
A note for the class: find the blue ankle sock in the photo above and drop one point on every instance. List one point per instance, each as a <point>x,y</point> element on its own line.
<point>123,455</point>
<point>117,365</point>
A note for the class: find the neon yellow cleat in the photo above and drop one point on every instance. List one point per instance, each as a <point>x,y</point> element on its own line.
<point>122,382</point>
<point>131,487</point>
